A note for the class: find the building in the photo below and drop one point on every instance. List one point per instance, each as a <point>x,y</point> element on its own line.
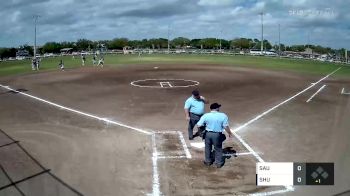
<point>22,54</point>
<point>66,51</point>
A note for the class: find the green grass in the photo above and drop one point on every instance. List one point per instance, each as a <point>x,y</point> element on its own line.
<point>300,66</point>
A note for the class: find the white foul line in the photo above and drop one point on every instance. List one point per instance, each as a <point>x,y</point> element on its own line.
<point>319,90</point>
<point>156,185</point>
<point>250,149</point>
<point>184,145</point>
<point>283,102</point>
<point>79,112</point>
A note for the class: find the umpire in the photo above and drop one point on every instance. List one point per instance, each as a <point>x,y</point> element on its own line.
<point>215,123</point>
<point>194,109</point>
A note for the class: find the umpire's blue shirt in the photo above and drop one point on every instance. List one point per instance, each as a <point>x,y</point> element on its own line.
<point>214,121</point>
<point>195,106</point>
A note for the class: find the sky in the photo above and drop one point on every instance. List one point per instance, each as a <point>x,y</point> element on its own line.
<point>319,22</point>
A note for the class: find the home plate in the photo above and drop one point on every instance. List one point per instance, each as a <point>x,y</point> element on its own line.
<point>198,144</point>
<point>155,67</point>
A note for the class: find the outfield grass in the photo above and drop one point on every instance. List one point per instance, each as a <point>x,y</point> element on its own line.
<point>301,66</point>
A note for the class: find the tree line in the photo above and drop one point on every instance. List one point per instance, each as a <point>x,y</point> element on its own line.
<point>162,43</point>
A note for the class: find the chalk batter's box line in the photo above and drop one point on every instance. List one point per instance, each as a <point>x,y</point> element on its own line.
<point>155,158</point>
<point>156,185</point>
<point>155,189</point>
<point>188,155</point>
<point>182,141</point>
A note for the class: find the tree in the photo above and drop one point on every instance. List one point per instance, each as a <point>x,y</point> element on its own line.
<point>7,52</point>
<point>158,43</point>
<point>135,44</point>
<point>241,43</point>
<point>267,45</point>
<point>210,43</point>
<point>27,48</point>
<point>296,48</point>
<point>52,47</point>
<point>118,43</point>
<point>84,44</point>
<point>180,42</point>
<point>195,43</point>
<point>69,45</point>
<point>225,44</point>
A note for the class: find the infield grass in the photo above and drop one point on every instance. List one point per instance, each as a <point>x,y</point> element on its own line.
<point>302,66</point>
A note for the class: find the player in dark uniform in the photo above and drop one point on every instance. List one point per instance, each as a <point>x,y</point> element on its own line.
<point>33,64</point>
<point>83,59</point>
<point>61,65</point>
<point>94,59</point>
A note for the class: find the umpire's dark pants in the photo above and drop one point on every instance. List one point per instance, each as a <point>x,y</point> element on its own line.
<point>214,139</point>
<point>194,118</point>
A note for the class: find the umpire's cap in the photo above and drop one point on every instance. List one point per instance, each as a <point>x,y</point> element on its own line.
<point>215,106</point>
<point>195,93</point>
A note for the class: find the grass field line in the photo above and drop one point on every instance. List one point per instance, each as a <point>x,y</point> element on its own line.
<point>318,91</point>
<point>283,102</point>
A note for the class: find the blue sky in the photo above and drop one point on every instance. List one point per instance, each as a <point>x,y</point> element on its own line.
<point>327,22</point>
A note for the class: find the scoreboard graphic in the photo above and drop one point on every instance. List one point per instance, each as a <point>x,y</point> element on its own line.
<point>289,173</point>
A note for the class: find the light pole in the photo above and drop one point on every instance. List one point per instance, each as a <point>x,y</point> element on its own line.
<point>279,40</point>
<point>35,23</point>
<point>262,32</point>
<point>168,39</point>
<point>220,39</point>
<point>346,56</point>
<point>308,43</point>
